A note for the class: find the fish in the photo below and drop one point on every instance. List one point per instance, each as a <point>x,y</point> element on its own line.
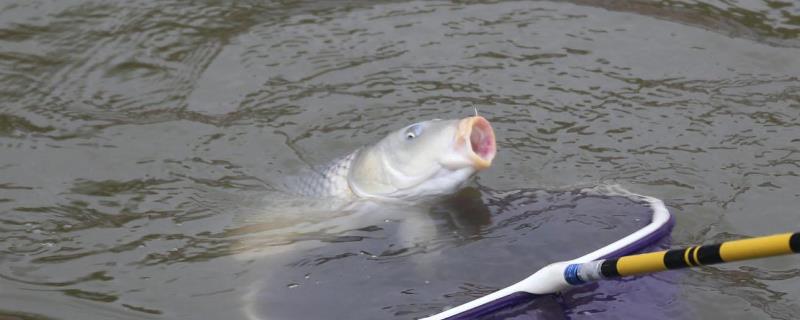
<point>425,159</point>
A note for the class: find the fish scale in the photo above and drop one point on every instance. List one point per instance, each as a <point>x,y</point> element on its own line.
<point>425,159</point>
<point>331,181</point>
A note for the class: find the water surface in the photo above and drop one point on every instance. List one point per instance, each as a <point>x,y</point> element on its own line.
<point>140,142</point>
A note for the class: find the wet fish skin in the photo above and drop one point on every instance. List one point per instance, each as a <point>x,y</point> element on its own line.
<point>331,181</point>
<point>421,160</point>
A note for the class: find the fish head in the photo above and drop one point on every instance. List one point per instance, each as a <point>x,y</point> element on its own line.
<point>424,159</point>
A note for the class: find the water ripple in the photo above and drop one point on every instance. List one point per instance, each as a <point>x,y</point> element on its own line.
<point>145,145</point>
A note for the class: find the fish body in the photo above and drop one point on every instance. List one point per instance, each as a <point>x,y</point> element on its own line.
<point>424,159</point>
<point>330,181</point>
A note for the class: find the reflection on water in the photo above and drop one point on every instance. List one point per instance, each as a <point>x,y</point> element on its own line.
<point>144,145</point>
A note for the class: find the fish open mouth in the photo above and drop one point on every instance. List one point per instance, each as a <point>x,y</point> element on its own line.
<point>478,136</point>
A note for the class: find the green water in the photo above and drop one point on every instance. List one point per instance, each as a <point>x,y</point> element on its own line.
<point>138,139</point>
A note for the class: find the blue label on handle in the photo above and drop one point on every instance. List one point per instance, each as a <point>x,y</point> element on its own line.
<point>571,274</point>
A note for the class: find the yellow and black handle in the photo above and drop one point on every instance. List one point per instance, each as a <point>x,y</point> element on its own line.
<point>753,248</point>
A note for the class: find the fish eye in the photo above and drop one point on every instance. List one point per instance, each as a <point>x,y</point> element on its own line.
<point>413,131</point>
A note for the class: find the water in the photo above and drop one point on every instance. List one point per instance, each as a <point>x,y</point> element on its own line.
<point>141,141</point>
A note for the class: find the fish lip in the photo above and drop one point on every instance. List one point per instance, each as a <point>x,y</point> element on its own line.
<point>476,136</point>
